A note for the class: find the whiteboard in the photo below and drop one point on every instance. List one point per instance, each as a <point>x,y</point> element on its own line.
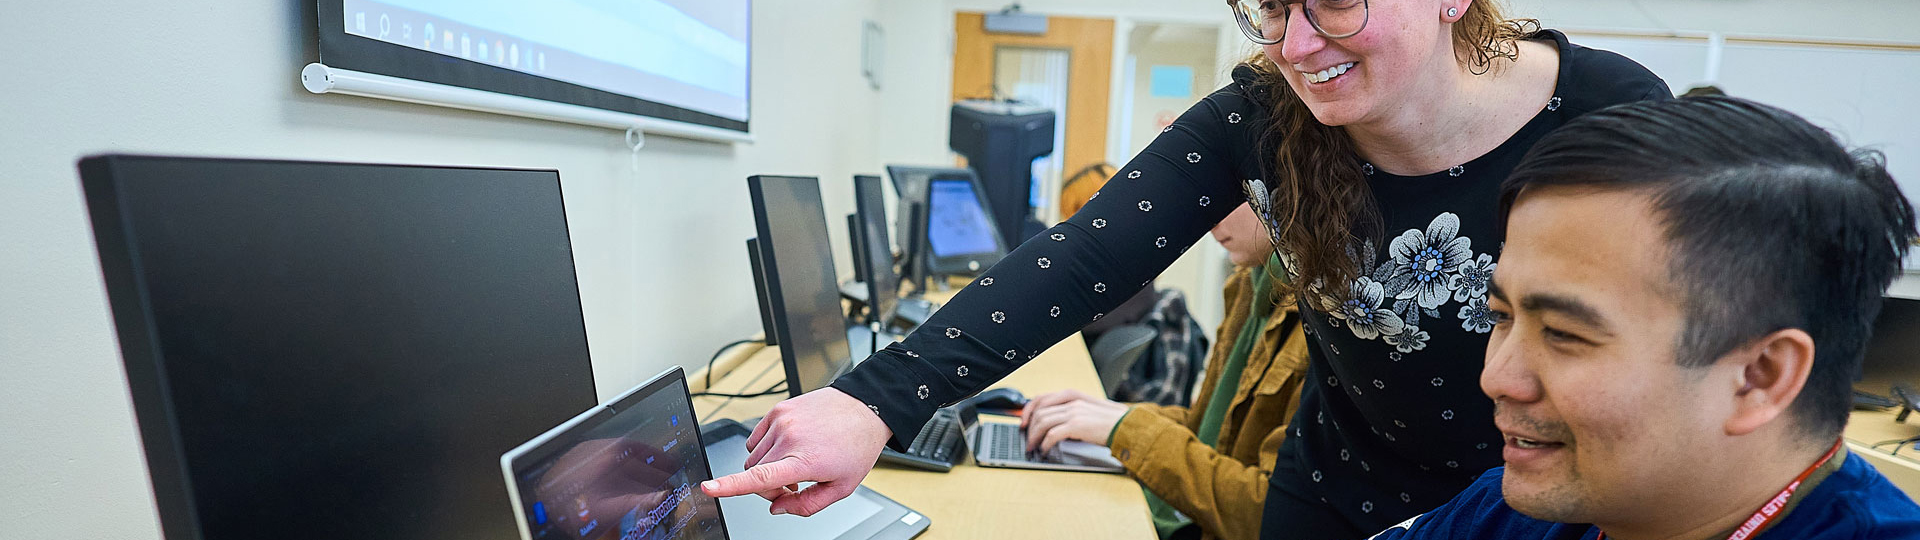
<point>1868,97</point>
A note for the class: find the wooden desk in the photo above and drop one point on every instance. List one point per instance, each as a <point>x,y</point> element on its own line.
<point>973,501</point>
<point>1867,428</point>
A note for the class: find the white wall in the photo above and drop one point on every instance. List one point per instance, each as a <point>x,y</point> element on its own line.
<point>658,252</point>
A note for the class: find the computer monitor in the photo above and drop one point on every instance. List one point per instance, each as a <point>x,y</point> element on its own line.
<point>1893,354</point>
<point>883,283</point>
<point>914,187</point>
<point>961,238</point>
<point>324,351</point>
<point>803,291</point>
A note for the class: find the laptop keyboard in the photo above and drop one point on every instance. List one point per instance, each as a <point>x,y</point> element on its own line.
<point>939,439</point>
<point>1010,444</point>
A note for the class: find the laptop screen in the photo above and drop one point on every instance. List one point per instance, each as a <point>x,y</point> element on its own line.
<point>630,471</point>
<point>957,223</point>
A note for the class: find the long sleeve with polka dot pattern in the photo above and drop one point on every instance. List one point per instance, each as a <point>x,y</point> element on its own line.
<point>1070,275</point>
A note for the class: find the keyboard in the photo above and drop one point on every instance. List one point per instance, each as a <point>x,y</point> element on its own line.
<point>1864,400</point>
<point>938,447</point>
<point>1009,443</point>
<point>914,311</point>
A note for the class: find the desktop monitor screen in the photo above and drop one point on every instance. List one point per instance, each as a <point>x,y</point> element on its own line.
<point>324,351</point>
<point>883,284</point>
<point>803,288</point>
<point>957,222</point>
<point>1893,354</point>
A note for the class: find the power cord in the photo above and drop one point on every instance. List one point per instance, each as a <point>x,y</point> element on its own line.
<point>777,389</point>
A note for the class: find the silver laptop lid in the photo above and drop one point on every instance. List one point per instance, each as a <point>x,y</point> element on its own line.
<point>627,469</point>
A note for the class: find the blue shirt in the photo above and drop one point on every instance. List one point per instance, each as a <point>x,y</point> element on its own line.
<point>1854,502</point>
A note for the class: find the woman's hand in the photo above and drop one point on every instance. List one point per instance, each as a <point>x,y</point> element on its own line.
<point>1069,414</point>
<point>824,436</point>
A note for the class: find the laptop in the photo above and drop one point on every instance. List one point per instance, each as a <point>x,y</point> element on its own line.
<point>996,444</point>
<point>631,469</point>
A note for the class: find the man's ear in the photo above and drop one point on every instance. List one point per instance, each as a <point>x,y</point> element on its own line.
<point>1774,369</point>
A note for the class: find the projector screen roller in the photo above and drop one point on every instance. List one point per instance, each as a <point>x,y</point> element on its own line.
<point>679,60</point>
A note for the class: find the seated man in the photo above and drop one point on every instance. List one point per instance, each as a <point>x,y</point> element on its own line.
<point>1685,294</point>
<point>1206,468</point>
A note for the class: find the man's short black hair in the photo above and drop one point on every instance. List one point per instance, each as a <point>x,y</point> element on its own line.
<point>1771,223</point>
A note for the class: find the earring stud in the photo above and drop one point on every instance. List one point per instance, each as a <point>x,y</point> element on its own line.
<point>1453,12</point>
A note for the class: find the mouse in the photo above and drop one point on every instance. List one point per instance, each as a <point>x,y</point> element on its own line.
<point>1000,398</point>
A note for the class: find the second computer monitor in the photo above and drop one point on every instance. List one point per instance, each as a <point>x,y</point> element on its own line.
<point>803,292</point>
<point>883,284</point>
<point>1893,354</point>
<point>960,231</point>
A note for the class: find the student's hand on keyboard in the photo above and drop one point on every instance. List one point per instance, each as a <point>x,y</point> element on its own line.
<point>824,436</point>
<point>1069,414</point>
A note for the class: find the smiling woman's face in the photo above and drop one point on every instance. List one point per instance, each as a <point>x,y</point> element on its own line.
<point>1372,71</point>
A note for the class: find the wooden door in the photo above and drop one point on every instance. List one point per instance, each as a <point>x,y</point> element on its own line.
<point>1089,44</point>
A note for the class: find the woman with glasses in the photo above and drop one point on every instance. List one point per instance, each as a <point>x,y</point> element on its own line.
<point>1371,138</point>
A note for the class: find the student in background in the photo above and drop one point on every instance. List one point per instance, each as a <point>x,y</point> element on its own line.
<point>1686,292</point>
<point>1205,467</point>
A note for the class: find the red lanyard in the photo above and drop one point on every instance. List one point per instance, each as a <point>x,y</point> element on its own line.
<point>1772,509</point>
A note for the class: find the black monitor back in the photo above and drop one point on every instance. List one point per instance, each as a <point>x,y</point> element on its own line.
<point>323,351</point>
<point>803,290</point>
<point>883,283</point>
<point>1893,354</point>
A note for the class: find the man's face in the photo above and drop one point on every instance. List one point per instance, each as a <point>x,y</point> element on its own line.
<point>1599,418</point>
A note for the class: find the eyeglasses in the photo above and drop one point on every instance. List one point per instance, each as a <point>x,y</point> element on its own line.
<point>1334,19</point>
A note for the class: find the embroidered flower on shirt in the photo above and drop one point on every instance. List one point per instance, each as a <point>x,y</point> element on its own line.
<point>1409,340</point>
<point>1426,264</point>
<point>1099,223</point>
<point>1045,263</point>
<point>1364,313</point>
<point>1476,316</point>
<point>1133,175</point>
<point>1193,157</point>
<point>1475,275</point>
<point>953,333</point>
<point>998,317</point>
<point>961,371</point>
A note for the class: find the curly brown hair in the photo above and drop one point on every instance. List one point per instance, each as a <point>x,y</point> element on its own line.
<point>1320,199</point>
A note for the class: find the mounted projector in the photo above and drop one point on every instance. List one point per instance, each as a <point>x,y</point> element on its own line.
<point>1014,21</point>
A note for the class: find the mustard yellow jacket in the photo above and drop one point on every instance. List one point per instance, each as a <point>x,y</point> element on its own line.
<point>1223,488</point>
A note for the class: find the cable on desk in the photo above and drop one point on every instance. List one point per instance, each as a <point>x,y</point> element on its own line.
<point>778,388</point>
<point>723,350</point>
